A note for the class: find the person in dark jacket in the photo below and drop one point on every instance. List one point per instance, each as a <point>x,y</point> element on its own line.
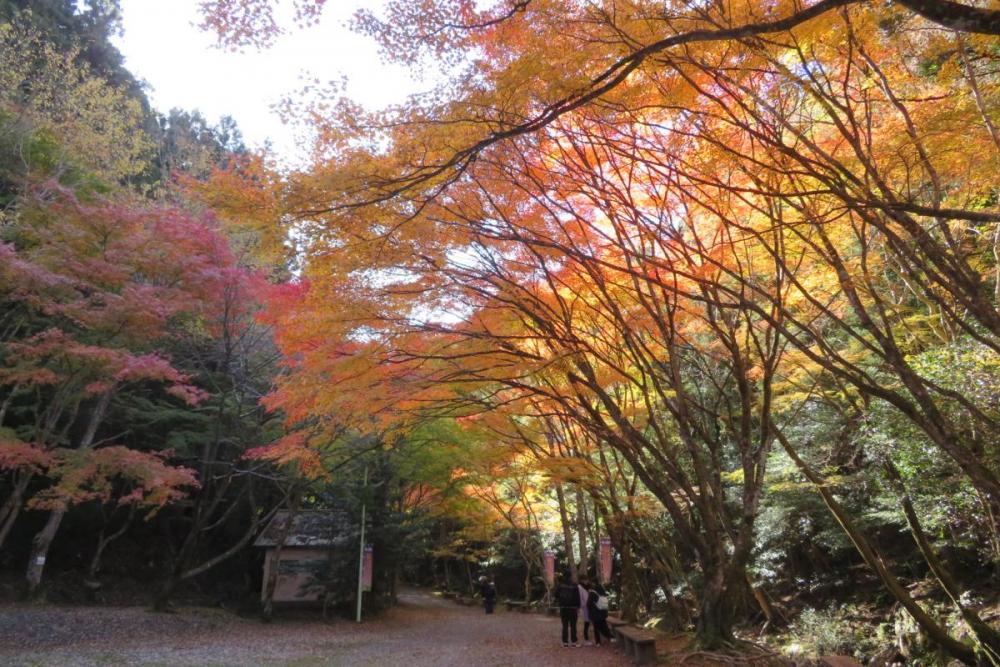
<point>597,610</point>
<point>568,599</point>
<point>489,592</point>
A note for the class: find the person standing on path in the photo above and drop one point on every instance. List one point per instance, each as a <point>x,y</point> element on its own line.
<point>597,611</point>
<point>489,592</point>
<point>568,598</point>
<point>583,590</point>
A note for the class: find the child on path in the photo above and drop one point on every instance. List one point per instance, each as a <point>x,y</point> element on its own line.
<point>568,598</point>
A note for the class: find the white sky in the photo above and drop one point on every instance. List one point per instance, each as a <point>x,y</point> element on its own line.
<point>163,46</point>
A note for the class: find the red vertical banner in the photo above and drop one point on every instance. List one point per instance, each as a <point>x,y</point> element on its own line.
<point>605,560</point>
<point>549,567</point>
<point>366,568</point>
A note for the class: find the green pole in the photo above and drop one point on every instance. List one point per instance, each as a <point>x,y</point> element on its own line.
<point>361,547</point>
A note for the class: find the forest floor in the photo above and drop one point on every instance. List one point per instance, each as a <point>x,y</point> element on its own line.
<point>421,630</point>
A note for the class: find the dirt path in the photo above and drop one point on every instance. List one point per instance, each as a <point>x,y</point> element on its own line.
<point>422,630</point>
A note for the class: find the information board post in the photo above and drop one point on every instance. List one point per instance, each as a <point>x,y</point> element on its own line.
<point>361,546</point>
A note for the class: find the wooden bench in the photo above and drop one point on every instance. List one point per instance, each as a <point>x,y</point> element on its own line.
<point>517,605</point>
<point>640,645</point>
<point>614,623</point>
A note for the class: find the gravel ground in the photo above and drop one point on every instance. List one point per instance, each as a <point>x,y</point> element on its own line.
<point>421,630</point>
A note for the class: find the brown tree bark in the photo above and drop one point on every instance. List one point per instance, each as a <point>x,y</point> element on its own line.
<point>43,539</point>
<point>581,531</point>
<point>13,504</point>
<point>630,584</point>
<point>567,530</point>
<point>527,580</point>
<point>183,572</point>
<point>103,540</point>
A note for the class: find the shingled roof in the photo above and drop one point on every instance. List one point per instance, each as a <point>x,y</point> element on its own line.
<point>310,529</point>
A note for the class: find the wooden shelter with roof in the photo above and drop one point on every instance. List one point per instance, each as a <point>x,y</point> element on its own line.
<point>305,553</point>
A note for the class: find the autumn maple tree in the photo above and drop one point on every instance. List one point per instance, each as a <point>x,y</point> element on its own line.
<point>684,231</point>
<point>718,281</point>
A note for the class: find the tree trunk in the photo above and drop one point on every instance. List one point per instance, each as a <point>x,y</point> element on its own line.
<point>468,576</point>
<point>629,581</point>
<point>102,543</point>
<point>12,506</point>
<point>714,628</point>
<point>765,605</point>
<point>162,600</point>
<point>40,549</point>
<point>581,531</point>
<point>527,583</point>
<point>6,403</point>
<point>567,531</point>
<point>43,540</point>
